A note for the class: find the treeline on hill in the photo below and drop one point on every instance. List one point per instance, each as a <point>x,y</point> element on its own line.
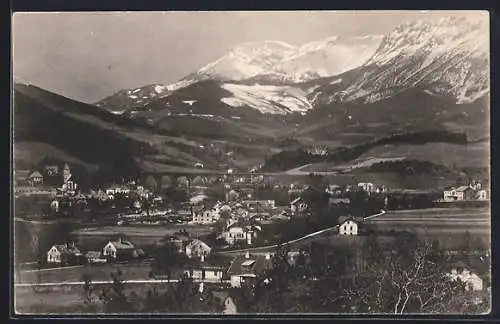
<point>66,105</point>
<point>289,159</point>
<point>85,140</point>
<point>408,167</point>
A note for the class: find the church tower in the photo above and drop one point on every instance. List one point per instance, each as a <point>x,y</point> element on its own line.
<point>66,173</point>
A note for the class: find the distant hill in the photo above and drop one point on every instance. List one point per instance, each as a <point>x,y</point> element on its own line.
<point>80,131</point>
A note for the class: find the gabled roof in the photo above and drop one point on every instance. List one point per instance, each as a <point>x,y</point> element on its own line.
<point>63,248</point>
<point>343,219</point>
<point>296,200</point>
<point>195,243</point>
<point>35,174</point>
<point>259,265</point>
<point>122,245</point>
<point>463,188</point>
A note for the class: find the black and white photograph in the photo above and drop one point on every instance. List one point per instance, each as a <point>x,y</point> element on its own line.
<point>234,163</point>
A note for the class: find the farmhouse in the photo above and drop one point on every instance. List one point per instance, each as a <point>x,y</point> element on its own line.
<point>244,269</point>
<point>64,254</point>
<point>121,250</point>
<point>35,178</point>
<point>197,248</point>
<point>349,225</point>
<point>461,193</point>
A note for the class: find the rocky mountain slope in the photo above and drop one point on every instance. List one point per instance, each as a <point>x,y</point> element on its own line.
<point>266,62</point>
<point>445,58</point>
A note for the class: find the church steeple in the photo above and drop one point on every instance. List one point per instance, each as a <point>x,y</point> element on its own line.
<point>66,173</point>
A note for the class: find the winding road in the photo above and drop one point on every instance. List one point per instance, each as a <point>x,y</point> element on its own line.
<point>311,235</point>
<point>260,249</point>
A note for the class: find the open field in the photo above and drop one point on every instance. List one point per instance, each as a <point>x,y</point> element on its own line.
<point>139,234</point>
<point>346,167</point>
<point>131,270</point>
<point>470,155</point>
<point>448,225</point>
<point>64,299</point>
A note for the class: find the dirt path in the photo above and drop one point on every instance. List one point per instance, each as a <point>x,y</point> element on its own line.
<point>311,235</point>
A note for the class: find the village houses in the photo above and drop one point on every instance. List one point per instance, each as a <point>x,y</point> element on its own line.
<point>247,267</point>
<point>236,233</point>
<point>297,205</point>
<point>197,248</point>
<point>206,269</point>
<point>35,178</point>
<point>349,225</point>
<point>473,191</point>
<point>121,250</point>
<point>63,254</point>
<point>207,216</point>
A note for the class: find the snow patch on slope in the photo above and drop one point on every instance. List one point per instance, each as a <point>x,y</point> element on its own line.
<point>267,99</point>
<point>190,102</point>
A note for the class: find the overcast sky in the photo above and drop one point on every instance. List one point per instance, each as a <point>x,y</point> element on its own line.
<point>88,56</point>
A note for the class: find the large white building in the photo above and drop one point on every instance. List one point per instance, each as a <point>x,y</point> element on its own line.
<point>459,194</point>
<point>207,216</point>
<point>349,226</point>
<point>367,186</point>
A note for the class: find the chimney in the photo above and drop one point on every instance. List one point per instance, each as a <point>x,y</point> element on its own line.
<point>247,255</point>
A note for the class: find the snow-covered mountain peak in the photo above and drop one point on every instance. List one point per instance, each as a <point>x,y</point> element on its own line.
<point>246,60</point>
<point>447,57</point>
